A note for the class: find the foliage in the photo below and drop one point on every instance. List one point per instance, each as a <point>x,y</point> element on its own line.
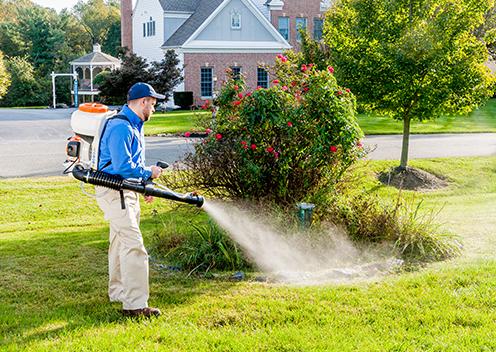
<point>314,51</point>
<point>423,63</point>
<point>4,77</point>
<point>166,74</point>
<point>98,18</point>
<point>486,32</point>
<point>114,86</point>
<point>286,143</point>
<point>204,248</point>
<point>25,90</point>
<point>414,232</point>
<point>38,34</point>
<point>183,99</point>
<point>49,41</point>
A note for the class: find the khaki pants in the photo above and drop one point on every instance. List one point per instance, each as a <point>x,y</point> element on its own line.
<point>128,259</point>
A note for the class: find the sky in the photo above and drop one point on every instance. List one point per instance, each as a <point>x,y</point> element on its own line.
<point>59,4</point>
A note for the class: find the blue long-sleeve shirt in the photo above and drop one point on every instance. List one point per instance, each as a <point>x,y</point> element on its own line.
<point>123,143</point>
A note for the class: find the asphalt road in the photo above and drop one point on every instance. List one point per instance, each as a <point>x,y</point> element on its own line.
<point>32,143</point>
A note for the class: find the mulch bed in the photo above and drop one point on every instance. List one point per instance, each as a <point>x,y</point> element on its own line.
<point>412,179</point>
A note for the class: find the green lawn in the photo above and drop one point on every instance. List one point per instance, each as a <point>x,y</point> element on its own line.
<point>53,254</point>
<point>481,120</point>
<point>176,122</point>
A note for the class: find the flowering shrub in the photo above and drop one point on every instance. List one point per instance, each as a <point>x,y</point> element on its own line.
<point>287,143</point>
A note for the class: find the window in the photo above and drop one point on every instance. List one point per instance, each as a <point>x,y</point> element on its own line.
<point>301,23</point>
<point>235,20</point>
<point>284,27</point>
<point>317,28</point>
<point>262,77</point>
<point>149,28</point>
<point>206,81</point>
<point>236,72</point>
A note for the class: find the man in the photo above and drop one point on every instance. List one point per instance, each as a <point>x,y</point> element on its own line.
<point>122,152</point>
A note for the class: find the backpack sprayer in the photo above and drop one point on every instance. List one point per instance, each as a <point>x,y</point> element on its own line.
<point>88,124</point>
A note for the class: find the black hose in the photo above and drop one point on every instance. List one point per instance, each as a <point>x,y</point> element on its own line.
<point>116,182</point>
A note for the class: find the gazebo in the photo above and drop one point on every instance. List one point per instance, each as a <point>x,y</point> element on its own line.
<point>87,67</point>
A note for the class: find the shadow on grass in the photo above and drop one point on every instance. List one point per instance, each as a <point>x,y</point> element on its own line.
<point>52,284</point>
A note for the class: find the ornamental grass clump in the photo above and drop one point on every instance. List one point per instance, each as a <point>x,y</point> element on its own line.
<point>286,143</point>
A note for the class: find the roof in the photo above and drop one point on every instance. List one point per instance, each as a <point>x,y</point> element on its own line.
<point>180,5</point>
<point>203,11</point>
<point>96,57</point>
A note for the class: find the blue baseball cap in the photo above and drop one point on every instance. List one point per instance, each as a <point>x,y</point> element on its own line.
<point>142,90</point>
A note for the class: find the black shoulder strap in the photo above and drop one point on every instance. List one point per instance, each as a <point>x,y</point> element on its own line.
<point>118,117</point>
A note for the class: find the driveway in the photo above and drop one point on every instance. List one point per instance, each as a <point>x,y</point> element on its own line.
<point>32,143</point>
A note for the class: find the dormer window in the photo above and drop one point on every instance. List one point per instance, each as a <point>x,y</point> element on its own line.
<point>235,20</point>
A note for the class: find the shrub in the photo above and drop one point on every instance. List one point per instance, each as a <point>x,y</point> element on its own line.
<point>203,248</point>
<point>288,143</point>
<point>183,99</point>
<point>415,235</point>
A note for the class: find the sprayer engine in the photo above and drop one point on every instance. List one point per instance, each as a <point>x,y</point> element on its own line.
<point>88,124</point>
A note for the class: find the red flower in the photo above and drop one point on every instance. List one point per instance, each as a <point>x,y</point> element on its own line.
<point>243,142</point>
<point>290,124</point>
<point>276,155</point>
<point>248,95</point>
<point>294,83</point>
<point>306,89</point>
<point>333,149</point>
<point>276,81</point>
<point>282,58</point>
<point>304,68</point>
<point>259,87</point>
<point>187,134</point>
<point>310,65</point>
<point>236,87</point>
<point>218,136</point>
<point>253,147</point>
<point>237,102</point>
<point>285,88</point>
<point>340,92</point>
<point>359,145</point>
<point>269,149</point>
<point>347,90</point>
<point>330,69</point>
<point>208,131</point>
<point>240,95</point>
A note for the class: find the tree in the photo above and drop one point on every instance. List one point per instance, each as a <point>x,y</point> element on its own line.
<point>4,77</point>
<point>26,89</point>
<point>98,17</point>
<point>167,74</point>
<point>411,59</point>
<point>163,76</point>
<point>114,86</point>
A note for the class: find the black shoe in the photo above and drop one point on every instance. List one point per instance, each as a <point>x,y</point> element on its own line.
<point>143,312</point>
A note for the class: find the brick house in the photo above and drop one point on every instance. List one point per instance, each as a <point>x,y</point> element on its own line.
<point>212,35</point>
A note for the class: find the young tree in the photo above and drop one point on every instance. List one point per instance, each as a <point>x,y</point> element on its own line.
<point>166,73</point>
<point>4,77</point>
<point>114,86</point>
<point>412,59</point>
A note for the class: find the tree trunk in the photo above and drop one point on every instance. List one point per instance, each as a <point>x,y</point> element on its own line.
<point>406,143</point>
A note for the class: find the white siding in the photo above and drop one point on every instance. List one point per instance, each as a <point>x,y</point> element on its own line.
<point>148,47</point>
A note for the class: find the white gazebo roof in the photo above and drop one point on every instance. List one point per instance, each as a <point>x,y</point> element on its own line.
<point>96,58</point>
